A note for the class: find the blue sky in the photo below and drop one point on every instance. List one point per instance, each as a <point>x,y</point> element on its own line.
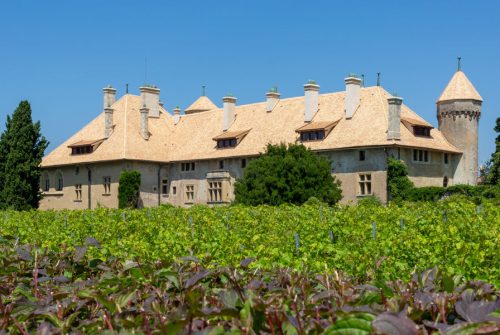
<point>59,54</point>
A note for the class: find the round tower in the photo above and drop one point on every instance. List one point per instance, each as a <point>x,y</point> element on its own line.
<point>458,112</point>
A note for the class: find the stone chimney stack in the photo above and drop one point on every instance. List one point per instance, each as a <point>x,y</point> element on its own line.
<point>311,91</point>
<point>109,100</point>
<point>144,122</point>
<point>109,96</point>
<point>108,122</point>
<point>352,95</point>
<point>177,115</point>
<point>229,107</point>
<point>150,97</point>
<point>394,119</point>
<point>272,99</point>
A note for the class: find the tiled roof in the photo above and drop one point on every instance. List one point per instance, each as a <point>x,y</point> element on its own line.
<point>415,122</point>
<point>201,104</point>
<point>231,134</point>
<point>192,137</point>
<point>317,125</point>
<point>459,88</point>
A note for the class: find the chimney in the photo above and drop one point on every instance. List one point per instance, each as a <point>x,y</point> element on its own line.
<point>144,122</point>
<point>177,115</point>
<point>109,99</point>
<point>393,131</point>
<point>229,106</point>
<point>108,122</point>
<point>272,99</point>
<point>109,96</point>
<point>352,95</point>
<point>150,97</point>
<point>311,91</point>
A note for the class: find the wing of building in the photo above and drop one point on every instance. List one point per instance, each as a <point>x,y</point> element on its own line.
<point>196,157</point>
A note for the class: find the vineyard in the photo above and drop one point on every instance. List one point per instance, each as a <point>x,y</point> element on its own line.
<point>274,270</point>
<point>363,241</point>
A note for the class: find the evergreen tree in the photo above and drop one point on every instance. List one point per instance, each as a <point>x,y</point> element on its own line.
<point>21,150</point>
<point>290,174</point>
<point>398,182</point>
<point>493,176</point>
<point>128,189</point>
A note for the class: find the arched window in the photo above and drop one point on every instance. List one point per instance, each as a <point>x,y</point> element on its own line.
<point>445,181</point>
<point>45,182</point>
<point>59,181</point>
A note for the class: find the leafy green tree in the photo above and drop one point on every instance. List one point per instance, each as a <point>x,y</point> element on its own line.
<point>128,189</point>
<point>493,176</point>
<point>21,150</point>
<point>287,174</point>
<point>398,182</point>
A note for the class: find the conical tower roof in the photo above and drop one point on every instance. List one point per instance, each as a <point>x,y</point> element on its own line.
<point>459,88</point>
<point>201,104</point>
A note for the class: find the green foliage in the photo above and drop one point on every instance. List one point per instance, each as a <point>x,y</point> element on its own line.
<point>397,179</point>
<point>433,193</point>
<point>63,292</point>
<point>287,174</point>
<point>21,151</point>
<point>340,237</point>
<point>493,176</point>
<point>128,189</point>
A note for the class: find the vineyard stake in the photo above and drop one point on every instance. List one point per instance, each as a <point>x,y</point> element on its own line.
<point>374,230</point>
<point>332,237</point>
<point>297,241</point>
<point>124,217</point>
<point>149,216</point>
<point>445,216</point>
<point>402,223</point>
<point>321,212</point>
<point>190,222</point>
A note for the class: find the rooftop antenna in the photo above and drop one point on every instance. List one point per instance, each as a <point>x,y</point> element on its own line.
<point>203,90</point>
<point>459,64</point>
<point>363,80</point>
<point>378,78</point>
<point>126,88</point>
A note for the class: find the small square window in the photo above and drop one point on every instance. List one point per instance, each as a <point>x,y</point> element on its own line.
<point>221,164</point>
<point>446,158</point>
<point>164,186</point>
<point>174,190</point>
<point>361,155</point>
<point>243,163</point>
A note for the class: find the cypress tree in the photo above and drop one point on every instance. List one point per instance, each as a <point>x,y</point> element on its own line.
<point>21,150</point>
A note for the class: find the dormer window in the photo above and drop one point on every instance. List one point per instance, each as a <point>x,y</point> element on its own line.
<point>421,131</point>
<point>230,139</point>
<point>316,131</point>
<point>417,127</point>
<point>84,147</point>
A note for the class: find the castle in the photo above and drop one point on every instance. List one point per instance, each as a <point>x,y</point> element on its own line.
<point>197,156</point>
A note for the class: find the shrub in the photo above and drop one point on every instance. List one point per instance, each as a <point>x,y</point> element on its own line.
<point>287,174</point>
<point>397,180</point>
<point>128,189</point>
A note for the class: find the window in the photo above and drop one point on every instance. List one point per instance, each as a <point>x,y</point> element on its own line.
<point>188,166</point>
<point>446,158</point>
<point>215,191</point>
<point>59,181</point>
<point>164,186</point>
<point>365,184</point>
<point>421,131</point>
<point>78,192</point>
<point>420,155</point>
<point>227,143</point>
<point>243,163</point>
<point>77,170</point>
<point>189,193</point>
<point>174,190</point>
<point>361,155</point>
<point>82,150</point>
<point>107,185</point>
<point>45,182</point>
<point>221,164</point>
<point>312,135</point>
<point>445,181</point>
